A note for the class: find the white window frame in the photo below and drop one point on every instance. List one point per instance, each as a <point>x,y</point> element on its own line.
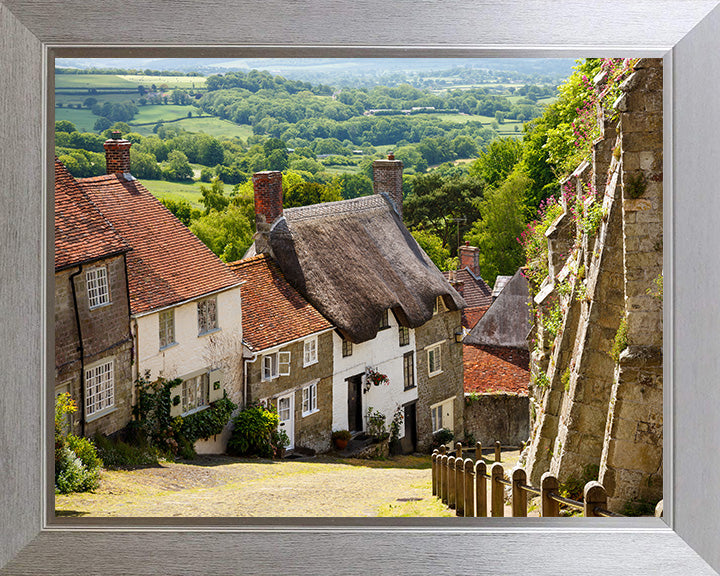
<point>437,414</point>
<point>275,364</point>
<point>99,389</point>
<point>434,366</point>
<point>310,351</point>
<point>98,287</point>
<point>166,323</point>
<point>309,399</point>
<point>202,330</point>
<point>196,388</point>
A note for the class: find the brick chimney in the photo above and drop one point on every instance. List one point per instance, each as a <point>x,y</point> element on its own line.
<point>268,206</point>
<point>470,258</point>
<point>387,179</point>
<point>117,154</point>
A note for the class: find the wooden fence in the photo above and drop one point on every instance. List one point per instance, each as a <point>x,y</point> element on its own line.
<point>462,485</point>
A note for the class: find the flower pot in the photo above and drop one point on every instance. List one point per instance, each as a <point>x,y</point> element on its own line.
<point>341,443</point>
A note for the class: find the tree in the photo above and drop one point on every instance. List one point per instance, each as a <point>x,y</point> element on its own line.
<point>496,233</point>
<point>356,185</point>
<point>213,196</point>
<point>64,126</point>
<point>433,247</point>
<point>182,209</point>
<point>90,102</point>
<point>307,193</point>
<point>228,233</point>
<point>437,202</point>
<point>102,124</point>
<point>497,161</point>
<point>278,159</point>
<point>178,168</point>
<point>144,165</point>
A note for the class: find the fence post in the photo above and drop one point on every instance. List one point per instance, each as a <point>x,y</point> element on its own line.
<point>458,449</point>
<point>497,491</point>
<point>595,497</point>
<point>498,449</point>
<point>480,489</point>
<point>469,504</point>
<point>443,478</point>
<point>549,508</point>
<point>519,496</point>
<point>459,487</point>
<point>433,473</point>
<point>478,451</point>
<point>451,482</point>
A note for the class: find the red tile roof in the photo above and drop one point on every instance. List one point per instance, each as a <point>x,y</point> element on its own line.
<point>273,311</point>
<point>496,369</point>
<point>82,233</point>
<point>168,264</point>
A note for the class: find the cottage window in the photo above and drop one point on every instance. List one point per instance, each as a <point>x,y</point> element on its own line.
<point>195,392</point>
<point>310,351</point>
<point>167,328</point>
<point>97,287</point>
<point>274,365</point>
<point>442,416</point>
<point>404,335</point>
<point>409,370</point>
<point>347,348</point>
<point>207,315</point>
<point>384,320</point>
<point>99,388</point>
<point>309,399</point>
<point>434,360</point>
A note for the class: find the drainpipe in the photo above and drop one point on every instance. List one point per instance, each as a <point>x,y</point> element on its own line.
<point>80,348</point>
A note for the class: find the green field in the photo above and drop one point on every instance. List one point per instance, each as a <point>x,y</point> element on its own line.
<point>187,82</point>
<point>175,191</point>
<point>84,120</point>
<point>159,112</point>
<point>92,81</point>
<point>207,124</point>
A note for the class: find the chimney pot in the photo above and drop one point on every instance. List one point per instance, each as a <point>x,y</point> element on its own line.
<point>391,156</point>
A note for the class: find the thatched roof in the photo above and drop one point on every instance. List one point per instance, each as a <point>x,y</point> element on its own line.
<point>507,321</point>
<point>354,259</point>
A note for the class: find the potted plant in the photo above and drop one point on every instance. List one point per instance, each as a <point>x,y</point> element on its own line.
<point>375,378</point>
<point>340,439</point>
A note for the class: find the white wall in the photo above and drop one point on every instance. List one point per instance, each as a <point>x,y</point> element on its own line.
<point>383,354</point>
<point>218,349</point>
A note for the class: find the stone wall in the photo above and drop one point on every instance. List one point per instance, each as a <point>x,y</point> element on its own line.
<point>498,416</point>
<point>106,336</point>
<point>591,410</point>
<point>449,383</point>
<point>313,430</point>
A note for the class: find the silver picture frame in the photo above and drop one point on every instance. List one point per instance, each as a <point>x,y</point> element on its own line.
<point>685,32</point>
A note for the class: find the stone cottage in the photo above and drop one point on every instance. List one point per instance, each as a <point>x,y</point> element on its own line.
<point>93,344</point>
<point>497,368</point>
<point>184,301</point>
<point>289,354</point>
<point>394,312</point>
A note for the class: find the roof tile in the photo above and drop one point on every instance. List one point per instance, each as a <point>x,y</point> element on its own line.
<point>82,233</point>
<point>496,369</point>
<point>168,264</point>
<point>273,311</point>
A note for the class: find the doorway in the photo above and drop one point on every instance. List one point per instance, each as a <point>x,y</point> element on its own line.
<point>286,414</point>
<point>409,441</point>
<point>355,420</point>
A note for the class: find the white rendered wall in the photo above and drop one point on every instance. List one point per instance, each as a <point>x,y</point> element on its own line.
<point>220,348</point>
<point>383,354</point>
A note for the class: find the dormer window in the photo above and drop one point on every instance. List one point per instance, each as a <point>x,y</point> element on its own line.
<point>384,320</point>
<point>439,305</point>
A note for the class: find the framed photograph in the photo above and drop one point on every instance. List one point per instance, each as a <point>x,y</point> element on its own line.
<point>683,32</point>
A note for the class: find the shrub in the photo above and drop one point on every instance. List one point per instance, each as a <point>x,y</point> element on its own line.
<point>376,424</point>
<point>84,449</point>
<point>71,475</point>
<point>441,437</point>
<point>117,454</point>
<point>341,435</point>
<point>252,433</point>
